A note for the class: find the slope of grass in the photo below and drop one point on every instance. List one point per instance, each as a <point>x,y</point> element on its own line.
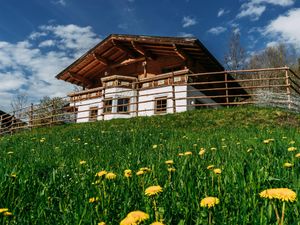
<point>43,181</point>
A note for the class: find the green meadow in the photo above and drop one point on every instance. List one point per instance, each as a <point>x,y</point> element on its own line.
<point>51,175</point>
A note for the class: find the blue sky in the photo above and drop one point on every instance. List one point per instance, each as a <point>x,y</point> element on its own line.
<point>38,38</point>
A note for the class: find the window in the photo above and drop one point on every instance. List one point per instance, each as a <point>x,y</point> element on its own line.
<point>161,105</point>
<point>93,113</point>
<point>107,105</point>
<point>123,105</point>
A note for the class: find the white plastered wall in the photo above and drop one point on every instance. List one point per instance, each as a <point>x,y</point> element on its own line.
<point>147,99</point>
<point>84,106</point>
<point>146,104</point>
<point>116,93</point>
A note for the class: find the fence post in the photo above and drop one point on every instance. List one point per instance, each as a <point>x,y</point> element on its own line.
<point>136,87</point>
<point>12,122</point>
<point>31,116</point>
<point>173,93</point>
<point>288,87</point>
<point>103,100</point>
<point>72,99</point>
<point>52,112</point>
<point>1,122</point>
<point>226,89</point>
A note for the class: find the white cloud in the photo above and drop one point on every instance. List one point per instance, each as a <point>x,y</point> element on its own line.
<point>217,30</point>
<point>188,21</point>
<point>255,8</point>
<point>275,2</point>
<point>60,2</point>
<point>184,34</point>
<point>72,37</point>
<point>286,28</point>
<point>26,68</point>
<point>222,12</point>
<point>47,43</point>
<point>251,10</point>
<point>272,44</point>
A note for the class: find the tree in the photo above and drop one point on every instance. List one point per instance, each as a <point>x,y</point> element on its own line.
<point>235,57</point>
<point>272,57</point>
<point>49,110</point>
<point>18,104</point>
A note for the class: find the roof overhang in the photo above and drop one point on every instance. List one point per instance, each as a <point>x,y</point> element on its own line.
<point>119,50</point>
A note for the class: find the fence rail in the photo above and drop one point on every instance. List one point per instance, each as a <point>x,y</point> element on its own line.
<point>278,87</point>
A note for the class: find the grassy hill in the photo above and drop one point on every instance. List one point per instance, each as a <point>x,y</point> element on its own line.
<point>51,175</point>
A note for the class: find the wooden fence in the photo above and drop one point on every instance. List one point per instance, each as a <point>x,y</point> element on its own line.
<point>279,87</point>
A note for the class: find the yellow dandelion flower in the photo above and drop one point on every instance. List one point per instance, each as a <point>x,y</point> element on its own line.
<point>209,202</point>
<point>180,154</point>
<point>268,141</point>
<point>188,153</point>
<point>127,173</point>
<point>169,162</point>
<point>288,165</point>
<point>7,214</point>
<point>157,223</point>
<point>139,216</point>
<point>210,167</point>
<point>291,149</point>
<point>140,172</point>
<point>81,162</point>
<point>145,169</point>
<point>297,155</point>
<point>110,176</point>
<point>101,173</point>
<point>93,199</point>
<point>154,146</point>
<point>202,151</point>
<point>14,175</point>
<point>217,171</point>
<point>102,223</point>
<point>171,169</point>
<point>283,194</point>
<point>2,210</point>
<point>153,190</point>
<point>128,221</point>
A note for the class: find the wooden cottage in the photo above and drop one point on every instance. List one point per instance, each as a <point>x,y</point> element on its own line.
<point>128,75</point>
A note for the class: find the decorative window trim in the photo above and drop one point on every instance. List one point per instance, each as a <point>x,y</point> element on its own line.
<point>93,113</point>
<point>161,105</point>
<point>107,108</point>
<point>123,107</point>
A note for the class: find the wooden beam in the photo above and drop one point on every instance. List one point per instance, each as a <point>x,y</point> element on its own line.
<point>83,80</point>
<point>127,62</point>
<point>101,59</point>
<point>122,48</point>
<point>141,50</point>
<point>180,52</point>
